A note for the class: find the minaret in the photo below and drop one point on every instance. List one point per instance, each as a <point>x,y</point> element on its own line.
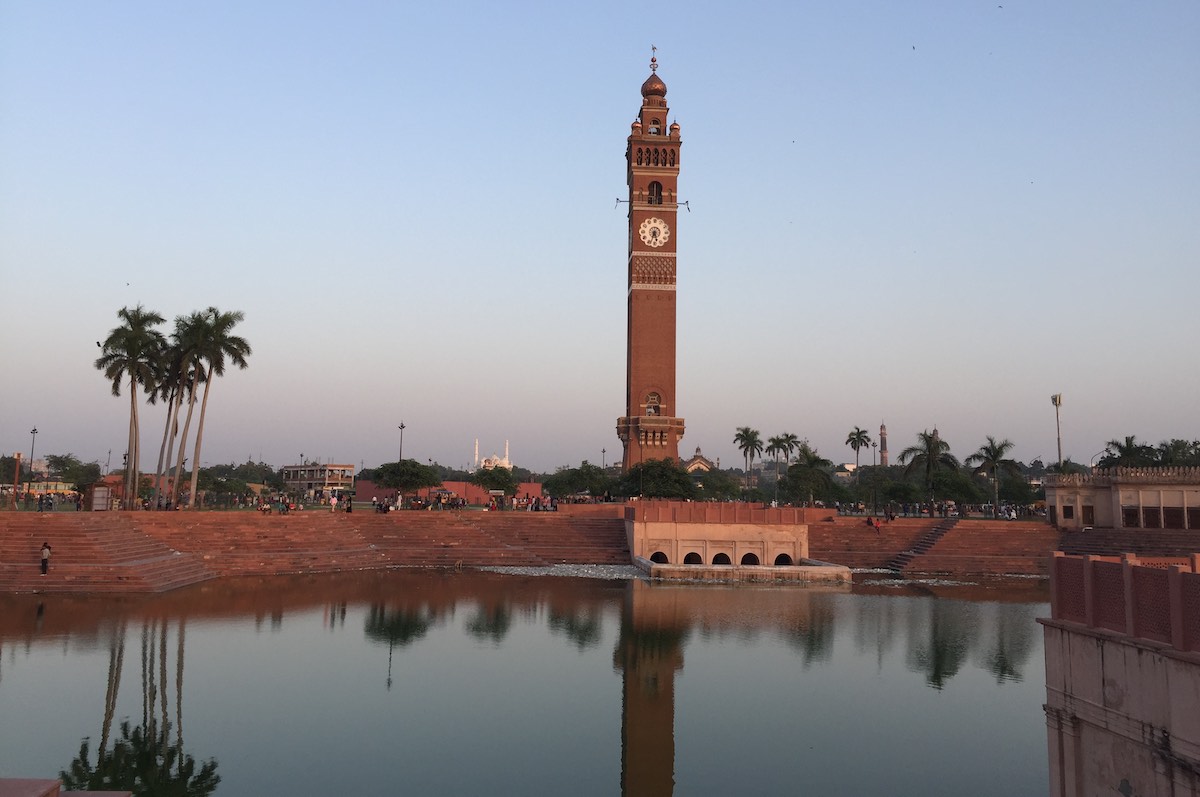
<point>651,428</point>
<point>883,445</point>
<point>476,453</point>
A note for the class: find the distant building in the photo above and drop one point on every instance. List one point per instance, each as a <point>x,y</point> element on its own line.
<point>1125,498</point>
<point>700,463</point>
<point>487,463</point>
<point>317,480</point>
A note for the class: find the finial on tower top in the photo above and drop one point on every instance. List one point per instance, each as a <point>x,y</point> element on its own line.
<point>653,58</point>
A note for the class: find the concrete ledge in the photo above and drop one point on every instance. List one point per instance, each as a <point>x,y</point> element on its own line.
<point>810,571</point>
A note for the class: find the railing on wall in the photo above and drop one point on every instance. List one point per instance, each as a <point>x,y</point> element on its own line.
<point>1157,599</point>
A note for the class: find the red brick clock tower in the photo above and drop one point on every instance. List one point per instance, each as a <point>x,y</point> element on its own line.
<point>650,428</point>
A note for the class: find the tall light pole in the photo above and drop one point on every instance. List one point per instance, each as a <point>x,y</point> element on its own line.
<point>603,458</point>
<point>401,428</point>
<point>874,479</point>
<point>32,443</point>
<point>1056,400</point>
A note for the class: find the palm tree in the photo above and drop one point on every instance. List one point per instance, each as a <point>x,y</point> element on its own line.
<point>811,470</point>
<point>991,459</point>
<point>790,443</point>
<point>857,439</point>
<point>132,351</point>
<point>1130,453</point>
<point>931,454</point>
<point>217,344</point>
<point>749,442</point>
<point>188,340</point>
<point>775,447</point>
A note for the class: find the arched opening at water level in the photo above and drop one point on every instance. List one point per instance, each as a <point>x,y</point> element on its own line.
<point>693,558</point>
<point>783,559</point>
<point>722,559</point>
<point>750,559</point>
<point>659,558</point>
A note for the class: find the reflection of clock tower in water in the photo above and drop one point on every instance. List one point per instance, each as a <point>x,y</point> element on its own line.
<point>650,428</point>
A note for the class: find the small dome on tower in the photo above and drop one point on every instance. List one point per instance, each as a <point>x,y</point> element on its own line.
<point>636,127</point>
<point>674,128</point>
<point>654,87</point>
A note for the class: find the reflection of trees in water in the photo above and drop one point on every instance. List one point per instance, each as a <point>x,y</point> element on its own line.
<point>143,760</point>
<point>397,626</point>
<point>940,647</point>
<point>490,623</point>
<point>812,633</point>
<point>581,627</point>
<point>875,622</point>
<point>1012,644</point>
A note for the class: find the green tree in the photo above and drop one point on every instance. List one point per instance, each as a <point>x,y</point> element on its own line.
<point>992,460</point>
<point>132,352</point>
<point>716,485</point>
<point>930,455</point>
<point>1127,453</point>
<point>218,345</point>
<point>496,479</point>
<point>407,476</point>
<point>1178,453</point>
<point>658,478</point>
<point>749,442</point>
<point>586,479</point>
<point>811,477</point>
<point>857,440</point>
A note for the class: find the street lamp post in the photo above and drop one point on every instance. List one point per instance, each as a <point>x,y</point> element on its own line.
<point>401,428</point>
<point>32,444</point>
<point>603,458</point>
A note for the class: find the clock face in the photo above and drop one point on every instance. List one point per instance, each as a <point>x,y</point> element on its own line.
<point>654,232</point>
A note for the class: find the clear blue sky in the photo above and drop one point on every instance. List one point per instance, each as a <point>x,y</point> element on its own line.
<point>924,213</point>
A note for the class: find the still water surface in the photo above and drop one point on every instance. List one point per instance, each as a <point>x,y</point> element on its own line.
<point>421,682</point>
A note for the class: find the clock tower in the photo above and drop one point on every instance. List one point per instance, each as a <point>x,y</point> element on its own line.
<point>651,428</point>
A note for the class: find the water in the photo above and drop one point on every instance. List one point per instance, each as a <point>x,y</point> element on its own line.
<point>488,683</point>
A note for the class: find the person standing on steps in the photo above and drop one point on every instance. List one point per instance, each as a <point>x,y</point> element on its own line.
<point>45,557</point>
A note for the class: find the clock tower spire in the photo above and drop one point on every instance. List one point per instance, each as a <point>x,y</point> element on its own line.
<point>651,426</point>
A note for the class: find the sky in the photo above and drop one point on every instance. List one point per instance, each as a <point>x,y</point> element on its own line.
<point>924,213</point>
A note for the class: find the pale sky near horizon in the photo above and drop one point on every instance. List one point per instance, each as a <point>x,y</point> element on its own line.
<point>924,213</point>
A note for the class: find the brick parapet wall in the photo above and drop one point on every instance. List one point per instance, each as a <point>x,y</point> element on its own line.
<point>1123,595</point>
<point>723,513</point>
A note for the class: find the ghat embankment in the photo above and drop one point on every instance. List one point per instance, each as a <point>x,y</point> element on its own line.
<point>140,552</point>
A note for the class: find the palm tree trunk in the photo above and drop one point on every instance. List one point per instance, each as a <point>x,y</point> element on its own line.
<point>116,658</point>
<point>199,439</point>
<point>187,423</point>
<point>131,452</point>
<point>174,433</point>
<point>162,448</point>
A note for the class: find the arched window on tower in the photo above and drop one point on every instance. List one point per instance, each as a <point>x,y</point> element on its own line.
<point>654,159</point>
<point>671,157</point>
<point>639,156</point>
<point>655,189</point>
<point>654,127</point>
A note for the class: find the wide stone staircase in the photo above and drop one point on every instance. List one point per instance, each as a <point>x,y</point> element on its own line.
<point>1145,542</point>
<point>158,551</point>
<point>929,539</point>
<point>850,541</point>
<point>91,552</point>
<point>989,548</point>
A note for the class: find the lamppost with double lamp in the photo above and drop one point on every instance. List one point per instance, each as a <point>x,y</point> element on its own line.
<point>32,444</point>
<point>401,428</point>
<point>1056,400</point>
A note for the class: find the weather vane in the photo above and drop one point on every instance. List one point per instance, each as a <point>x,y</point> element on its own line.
<point>653,58</point>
